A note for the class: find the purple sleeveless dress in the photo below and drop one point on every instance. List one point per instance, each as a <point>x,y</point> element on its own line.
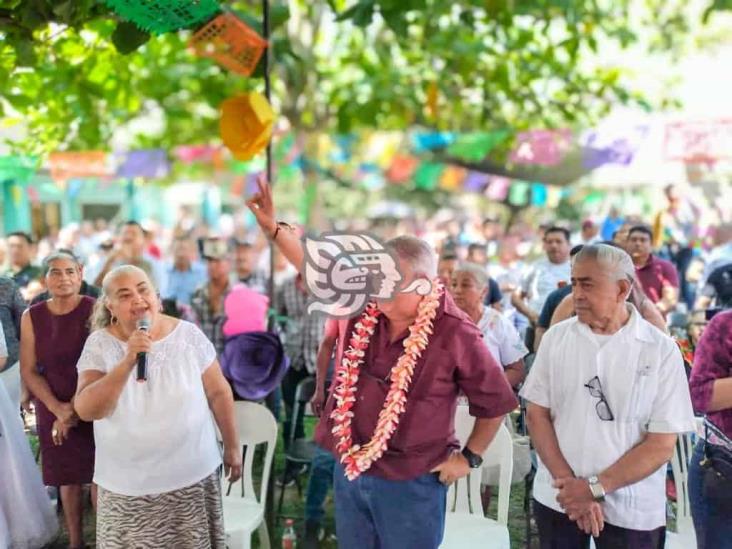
<point>59,342</point>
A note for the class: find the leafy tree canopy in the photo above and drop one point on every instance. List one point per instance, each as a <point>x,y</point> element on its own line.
<point>73,73</point>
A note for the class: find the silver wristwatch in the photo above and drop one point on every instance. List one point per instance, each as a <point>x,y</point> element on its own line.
<point>598,491</point>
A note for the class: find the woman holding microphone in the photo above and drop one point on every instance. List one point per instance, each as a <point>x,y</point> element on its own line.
<point>157,459</point>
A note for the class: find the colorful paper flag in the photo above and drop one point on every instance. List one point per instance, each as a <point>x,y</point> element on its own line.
<point>343,148</point>
<point>67,165</point>
<point>150,163</point>
<point>541,147</point>
<point>702,141</point>
<point>251,186</point>
<point>452,178</point>
<point>518,194</point>
<point>498,188</point>
<point>538,194</point>
<point>474,147</point>
<point>429,141</point>
<point>553,196</point>
<point>238,185</point>
<point>373,181</point>
<point>428,175</point>
<point>476,182</point>
<point>402,168</point>
<point>612,145</point>
<point>194,153</point>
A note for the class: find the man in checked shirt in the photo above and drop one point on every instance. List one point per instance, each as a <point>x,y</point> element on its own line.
<point>302,334</point>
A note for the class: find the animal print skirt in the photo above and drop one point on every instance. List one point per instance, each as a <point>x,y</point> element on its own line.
<point>189,518</point>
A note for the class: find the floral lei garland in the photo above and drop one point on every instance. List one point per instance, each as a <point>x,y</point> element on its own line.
<point>357,459</point>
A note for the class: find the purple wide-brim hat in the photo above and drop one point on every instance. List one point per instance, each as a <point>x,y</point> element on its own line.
<point>254,363</point>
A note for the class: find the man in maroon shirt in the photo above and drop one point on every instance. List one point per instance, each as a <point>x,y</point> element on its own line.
<point>658,277</point>
<point>400,501</point>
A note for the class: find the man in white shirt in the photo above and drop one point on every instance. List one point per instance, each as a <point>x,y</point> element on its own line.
<point>607,397</point>
<point>545,275</point>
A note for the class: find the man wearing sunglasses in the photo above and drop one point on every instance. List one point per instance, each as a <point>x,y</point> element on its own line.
<point>607,398</point>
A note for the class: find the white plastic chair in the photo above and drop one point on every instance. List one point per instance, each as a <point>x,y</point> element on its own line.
<point>244,513</point>
<point>685,536</point>
<point>466,524</point>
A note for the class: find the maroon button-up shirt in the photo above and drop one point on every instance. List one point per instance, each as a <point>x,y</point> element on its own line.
<point>713,361</point>
<point>456,359</point>
<point>655,275</point>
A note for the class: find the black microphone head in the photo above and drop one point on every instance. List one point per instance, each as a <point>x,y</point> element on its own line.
<point>143,323</point>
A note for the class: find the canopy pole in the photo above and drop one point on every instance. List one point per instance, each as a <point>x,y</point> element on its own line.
<point>268,151</point>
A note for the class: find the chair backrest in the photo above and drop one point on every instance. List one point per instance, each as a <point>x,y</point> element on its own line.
<point>256,425</point>
<point>464,495</point>
<point>463,424</point>
<point>680,467</point>
<point>305,390</point>
<point>303,394</point>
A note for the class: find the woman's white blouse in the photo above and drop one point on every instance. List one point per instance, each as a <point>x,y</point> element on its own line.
<point>160,436</point>
<point>501,338</point>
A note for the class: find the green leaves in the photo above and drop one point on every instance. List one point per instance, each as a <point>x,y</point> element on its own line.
<point>495,64</point>
<point>716,5</point>
<point>127,37</point>
<point>25,53</point>
<point>362,14</point>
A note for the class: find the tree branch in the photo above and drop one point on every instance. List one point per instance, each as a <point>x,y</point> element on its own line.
<point>568,171</point>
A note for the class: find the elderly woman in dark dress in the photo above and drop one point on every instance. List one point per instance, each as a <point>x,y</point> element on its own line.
<point>53,334</point>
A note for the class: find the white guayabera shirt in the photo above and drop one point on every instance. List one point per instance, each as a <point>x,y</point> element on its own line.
<point>643,380</point>
<point>542,279</point>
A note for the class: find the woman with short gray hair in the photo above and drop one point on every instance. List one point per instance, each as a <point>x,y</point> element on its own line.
<point>469,286</point>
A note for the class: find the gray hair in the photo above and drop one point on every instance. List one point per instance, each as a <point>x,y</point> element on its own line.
<point>615,259</point>
<point>476,271</point>
<point>415,251</point>
<point>101,316</point>
<point>65,255</point>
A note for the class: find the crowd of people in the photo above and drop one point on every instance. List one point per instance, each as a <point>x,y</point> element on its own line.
<point>591,339</point>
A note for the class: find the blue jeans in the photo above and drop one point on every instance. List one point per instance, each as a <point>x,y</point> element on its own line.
<point>321,479</point>
<point>713,529</point>
<point>374,513</point>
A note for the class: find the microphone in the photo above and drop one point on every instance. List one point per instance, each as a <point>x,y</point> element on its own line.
<point>144,325</point>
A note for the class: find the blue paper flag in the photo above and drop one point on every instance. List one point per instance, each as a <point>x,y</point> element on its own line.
<point>432,140</point>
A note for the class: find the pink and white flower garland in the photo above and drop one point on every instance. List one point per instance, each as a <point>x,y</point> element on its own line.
<point>357,459</point>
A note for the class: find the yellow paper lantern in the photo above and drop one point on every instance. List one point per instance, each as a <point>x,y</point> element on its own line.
<point>246,124</point>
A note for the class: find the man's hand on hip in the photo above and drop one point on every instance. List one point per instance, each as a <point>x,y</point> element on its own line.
<point>453,468</point>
